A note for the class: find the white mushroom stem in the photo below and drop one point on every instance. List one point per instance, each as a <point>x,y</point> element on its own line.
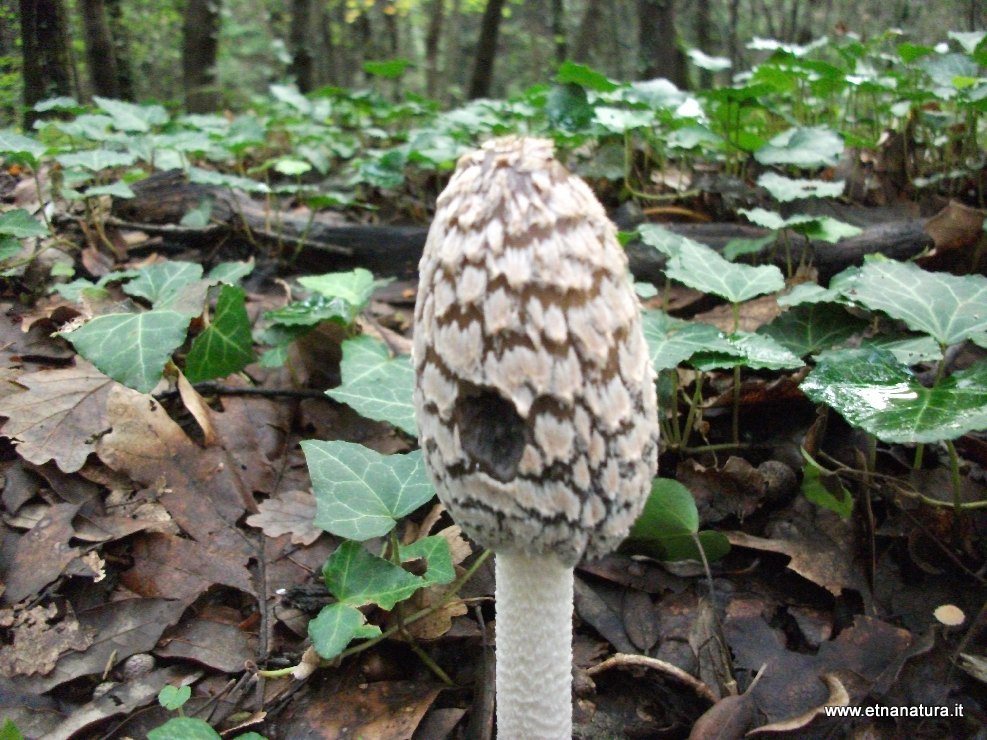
<point>534,648</point>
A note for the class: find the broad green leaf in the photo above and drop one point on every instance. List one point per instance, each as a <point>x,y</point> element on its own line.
<point>827,229</point>
<point>910,52</point>
<point>130,117</point>
<point>815,488</point>
<point>435,551</point>
<point>813,327</point>
<point>292,167</point>
<point>568,107</point>
<point>803,147</point>
<point>9,247</point>
<point>87,126</point>
<point>20,224</point>
<point>333,629</point>
<point>73,291</point>
<point>812,293</point>
<point>377,385</point>
<point>620,120</point>
<point>313,310</point>
<point>174,697</point>
<point>10,731</point>
<point>709,63</point>
<point>183,728</point>
<point>231,273</point>
<point>671,341</point>
<point>875,392</point>
<point>389,70</point>
<point>18,144</point>
<point>908,349</point>
<point>579,74</point>
<point>739,247</point>
<point>700,267</point>
<point>360,493</point>
<point>785,189</point>
<point>668,526</point>
<point>95,160</point>
<point>949,308</point>
<point>163,282</point>
<point>748,350</point>
<point>131,348</point>
<point>226,345</point>
<point>354,287</point>
<point>209,177</point>
<point>968,40</point>
<point>945,68</point>
<point>117,189</point>
<point>356,577</point>
<point>198,216</point>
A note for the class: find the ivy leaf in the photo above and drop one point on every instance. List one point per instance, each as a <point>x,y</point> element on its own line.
<point>174,697</point>
<point>435,551</point>
<point>580,74</point>
<point>131,348</point>
<point>130,117</point>
<point>313,310</point>
<point>20,224</point>
<point>118,189</point>
<point>390,69</point>
<point>354,287</point>
<point>813,327</point>
<point>875,392</point>
<point>700,267</point>
<point>671,341</point>
<point>669,526</point>
<point>226,345</point>
<point>163,285</point>
<point>231,273</point>
<point>335,626</point>
<point>356,577</point>
<point>748,350</point>
<point>949,308</point>
<point>377,385</point>
<point>360,493</point>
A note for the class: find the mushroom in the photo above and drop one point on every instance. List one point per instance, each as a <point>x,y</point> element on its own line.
<point>535,401</point>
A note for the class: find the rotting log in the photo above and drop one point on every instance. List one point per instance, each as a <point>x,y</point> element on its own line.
<point>318,245</point>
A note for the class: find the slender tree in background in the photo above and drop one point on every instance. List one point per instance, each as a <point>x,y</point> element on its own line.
<point>302,69</point>
<point>199,48</point>
<point>121,49</point>
<point>433,73</point>
<point>558,30</point>
<point>100,59</point>
<point>703,28</point>
<point>486,50</point>
<point>657,42</point>
<point>47,66</point>
<point>588,32</point>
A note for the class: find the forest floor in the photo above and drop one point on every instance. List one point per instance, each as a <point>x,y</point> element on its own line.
<point>168,539</point>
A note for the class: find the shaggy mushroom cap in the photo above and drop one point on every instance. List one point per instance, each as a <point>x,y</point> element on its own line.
<point>534,394</point>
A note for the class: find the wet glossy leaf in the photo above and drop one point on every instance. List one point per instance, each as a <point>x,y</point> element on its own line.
<point>131,348</point>
<point>811,328</point>
<point>748,350</point>
<point>672,341</point>
<point>335,627</point>
<point>360,493</point>
<point>184,728</point>
<point>377,385</point>
<point>354,287</point>
<point>908,349</point>
<point>226,345</point>
<point>163,282</point>
<point>949,308</point>
<point>874,391</point>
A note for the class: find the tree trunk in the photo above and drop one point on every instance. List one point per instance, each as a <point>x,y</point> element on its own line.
<point>659,52</point>
<point>733,42</point>
<point>47,67</point>
<point>486,51</point>
<point>703,28</point>
<point>121,49</point>
<point>589,29</point>
<point>432,39</point>
<point>99,49</point>
<point>452,76</point>
<point>558,30</point>
<point>199,48</point>
<point>301,68</point>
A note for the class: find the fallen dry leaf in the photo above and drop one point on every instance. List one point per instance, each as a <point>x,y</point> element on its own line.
<point>177,568</point>
<point>39,640</point>
<point>59,414</point>
<point>197,486</point>
<point>217,645</point>
<point>42,554</point>
<point>291,513</point>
